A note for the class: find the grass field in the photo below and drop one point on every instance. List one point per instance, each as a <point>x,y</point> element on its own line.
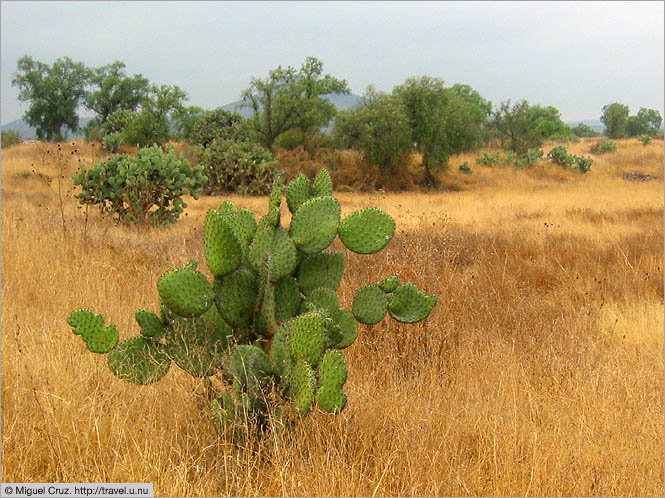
<point>539,372</point>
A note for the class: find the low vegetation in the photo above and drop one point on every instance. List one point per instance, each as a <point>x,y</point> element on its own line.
<point>539,372</point>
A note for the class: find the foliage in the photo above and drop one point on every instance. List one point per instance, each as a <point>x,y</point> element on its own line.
<point>184,120</point>
<point>211,125</point>
<point>645,139</point>
<point>523,126</point>
<point>146,188</point>
<point>443,121</point>
<point>645,122</point>
<point>489,160</point>
<point>243,167</point>
<point>583,130</point>
<point>583,163</point>
<point>290,98</point>
<point>115,91</point>
<point>529,158</point>
<point>112,141</point>
<point>615,117</point>
<point>270,324</point>
<point>559,155</point>
<point>9,138</point>
<point>604,147</point>
<point>379,126</point>
<point>465,168</point>
<point>54,93</point>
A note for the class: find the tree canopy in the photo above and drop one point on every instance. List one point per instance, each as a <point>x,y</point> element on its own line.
<point>291,99</point>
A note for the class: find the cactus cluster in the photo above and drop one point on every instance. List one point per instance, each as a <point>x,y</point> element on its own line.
<point>270,324</point>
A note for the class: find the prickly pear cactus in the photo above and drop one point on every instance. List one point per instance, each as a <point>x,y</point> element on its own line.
<point>270,324</point>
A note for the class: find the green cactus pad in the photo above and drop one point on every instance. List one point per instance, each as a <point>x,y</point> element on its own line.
<point>331,399</point>
<point>276,243</point>
<point>185,292</point>
<point>389,284</point>
<point>322,184</point>
<point>274,202</point>
<point>366,231</point>
<point>266,323</point>
<point>332,370</point>
<point>279,350</point>
<point>83,320</point>
<point>224,411</point>
<point>298,191</point>
<point>151,324</point>
<point>314,226</point>
<point>308,338</point>
<point>323,298</point>
<point>302,386</point>
<point>197,344</point>
<point>245,226</point>
<point>370,304</point>
<point>408,304</point>
<point>348,328</point>
<point>139,360</point>
<point>222,248</point>
<point>102,339</point>
<point>227,207</point>
<point>235,297</point>
<point>287,299</point>
<point>250,367</point>
<point>323,269</point>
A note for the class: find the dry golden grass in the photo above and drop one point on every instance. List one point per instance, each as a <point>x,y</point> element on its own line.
<point>539,372</point>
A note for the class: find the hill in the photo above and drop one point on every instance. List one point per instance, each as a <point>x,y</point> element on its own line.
<point>29,132</point>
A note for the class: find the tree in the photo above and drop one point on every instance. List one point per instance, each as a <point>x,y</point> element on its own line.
<point>216,124</point>
<point>583,130</point>
<point>291,99</point>
<point>153,123</point>
<point>615,117</point>
<point>115,91</point>
<point>645,122</point>
<point>443,121</point>
<point>54,93</point>
<point>523,126</point>
<point>379,126</point>
<point>184,120</point>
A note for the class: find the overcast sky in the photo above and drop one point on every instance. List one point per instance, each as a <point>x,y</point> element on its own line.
<point>576,56</point>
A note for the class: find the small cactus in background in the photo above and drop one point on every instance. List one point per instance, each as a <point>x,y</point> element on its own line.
<point>270,323</point>
<point>645,139</point>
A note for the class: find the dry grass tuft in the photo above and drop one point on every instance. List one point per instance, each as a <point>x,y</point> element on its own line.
<point>540,371</point>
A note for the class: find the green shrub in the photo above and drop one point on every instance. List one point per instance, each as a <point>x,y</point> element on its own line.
<point>146,188</point>
<point>488,160</point>
<point>465,168</point>
<point>243,167</point>
<point>645,139</point>
<point>604,147</point>
<point>559,155</point>
<point>10,138</point>
<point>216,124</point>
<point>112,141</point>
<point>509,158</point>
<point>270,325</point>
<point>583,163</point>
<point>529,158</point>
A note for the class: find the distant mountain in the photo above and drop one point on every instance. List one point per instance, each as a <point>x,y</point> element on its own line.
<point>27,131</point>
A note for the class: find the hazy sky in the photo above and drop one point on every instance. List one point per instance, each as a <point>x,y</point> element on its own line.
<point>576,56</point>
